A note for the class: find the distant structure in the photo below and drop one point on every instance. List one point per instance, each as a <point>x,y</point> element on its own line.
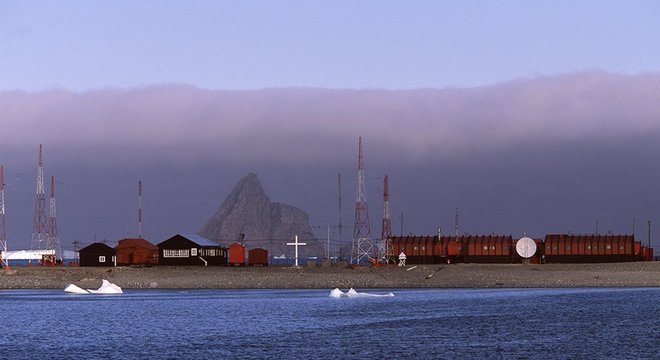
<point>340,226</point>
<point>386,229</point>
<point>362,247</point>
<point>53,242</point>
<point>39,231</point>
<point>140,209</point>
<point>3,223</point>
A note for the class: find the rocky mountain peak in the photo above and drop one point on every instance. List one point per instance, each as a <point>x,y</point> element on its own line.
<point>248,210</point>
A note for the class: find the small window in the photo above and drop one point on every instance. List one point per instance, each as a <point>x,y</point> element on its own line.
<point>193,252</point>
<point>101,259</point>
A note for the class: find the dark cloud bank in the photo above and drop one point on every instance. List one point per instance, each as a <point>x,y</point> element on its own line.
<point>534,155</point>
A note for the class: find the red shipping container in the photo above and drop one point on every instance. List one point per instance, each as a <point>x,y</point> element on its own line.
<point>452,248</point>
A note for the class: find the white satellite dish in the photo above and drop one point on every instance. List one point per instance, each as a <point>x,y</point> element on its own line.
<point>526,247</point>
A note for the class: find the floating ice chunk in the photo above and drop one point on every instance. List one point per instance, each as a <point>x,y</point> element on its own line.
<point>106,288</point>
<point>73,289</point>
<point>336,293</point>
<point>351,293</point>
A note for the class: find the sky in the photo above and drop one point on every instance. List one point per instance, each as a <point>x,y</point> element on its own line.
<point>527,117</point>
<point>83,45</point>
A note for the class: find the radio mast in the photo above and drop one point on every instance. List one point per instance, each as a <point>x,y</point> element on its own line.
<point>39,231</point>
<point>139,209</point>
<point>3,233</point>
<point>386,229</point>
<point>53,233</point>
<point>362,246</point>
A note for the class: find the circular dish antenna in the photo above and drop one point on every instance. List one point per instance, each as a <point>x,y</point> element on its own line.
<point>526,247</point>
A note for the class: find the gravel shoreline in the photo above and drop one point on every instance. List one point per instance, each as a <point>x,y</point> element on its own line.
<point>638,274</point>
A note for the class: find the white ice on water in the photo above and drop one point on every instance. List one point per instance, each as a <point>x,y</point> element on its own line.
<point>73,289</point>
<point>351,293</point>
<point>106,288</point>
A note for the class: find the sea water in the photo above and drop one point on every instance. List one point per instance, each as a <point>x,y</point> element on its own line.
<point>306,324</point>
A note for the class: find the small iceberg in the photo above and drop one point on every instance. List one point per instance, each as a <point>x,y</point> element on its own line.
<point>73,289</point>
<point>336,293</point>
<point>106,288</point>
<point>351,293</point>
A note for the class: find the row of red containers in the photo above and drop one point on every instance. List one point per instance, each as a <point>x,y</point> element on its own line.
<point>256,256</point>
<point>499,248</point>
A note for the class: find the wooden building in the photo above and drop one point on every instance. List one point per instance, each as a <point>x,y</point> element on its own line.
<point>136,252</point>
<point>191,250</point>
<point>236,254</point>
<point>97,254</point>
<point>258,257</point>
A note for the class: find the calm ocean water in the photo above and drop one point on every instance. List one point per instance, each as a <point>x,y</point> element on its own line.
<point>288,324</point>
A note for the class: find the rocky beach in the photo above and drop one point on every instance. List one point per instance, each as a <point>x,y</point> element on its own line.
<point>637,274</point>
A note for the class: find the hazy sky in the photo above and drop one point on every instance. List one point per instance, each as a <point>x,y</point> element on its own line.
<point>530,117</point>
<point>81,45</point>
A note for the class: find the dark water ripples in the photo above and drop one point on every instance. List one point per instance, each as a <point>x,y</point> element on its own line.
<point>425,324</point>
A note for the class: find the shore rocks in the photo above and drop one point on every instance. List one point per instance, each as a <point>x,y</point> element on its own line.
<point>643,274</point>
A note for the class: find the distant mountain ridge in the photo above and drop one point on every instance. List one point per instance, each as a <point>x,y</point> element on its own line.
<point>269,225</point>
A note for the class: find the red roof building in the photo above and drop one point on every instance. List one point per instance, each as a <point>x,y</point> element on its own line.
<point>136,252</point>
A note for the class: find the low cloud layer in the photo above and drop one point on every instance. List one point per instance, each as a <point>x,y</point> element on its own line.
<point>532,155</point>
<point>274,125</point>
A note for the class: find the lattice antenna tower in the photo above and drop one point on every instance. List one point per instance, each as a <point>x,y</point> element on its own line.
<point>140,229</point>
<point>53,233</point>
<point>341,220</point>
<point>39,231</point>
<point>386,228</point>
<point>3,233</point>
<point>362,247</point>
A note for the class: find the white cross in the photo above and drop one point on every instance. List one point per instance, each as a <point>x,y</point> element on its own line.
<point>296,244</point>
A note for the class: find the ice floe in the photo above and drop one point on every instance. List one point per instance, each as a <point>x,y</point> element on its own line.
<point>106,288</point>
<point>351,293</point>
<point>73,289</point>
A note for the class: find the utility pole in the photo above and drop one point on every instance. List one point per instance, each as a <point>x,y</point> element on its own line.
<point>75,251</point>
<point>456,223</point>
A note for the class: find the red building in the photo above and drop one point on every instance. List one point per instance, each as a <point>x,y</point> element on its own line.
<point>136,252</point>
<point>258,257</point>
<point>236,254</point>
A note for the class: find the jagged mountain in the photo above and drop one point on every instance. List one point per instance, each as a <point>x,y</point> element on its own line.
<point>269,225</point>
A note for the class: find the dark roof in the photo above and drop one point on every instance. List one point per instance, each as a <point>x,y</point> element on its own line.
<point>200,240</point>
<point>96,248</point>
